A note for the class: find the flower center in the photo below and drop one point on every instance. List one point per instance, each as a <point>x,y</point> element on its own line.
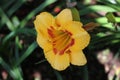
<point>61,40</point>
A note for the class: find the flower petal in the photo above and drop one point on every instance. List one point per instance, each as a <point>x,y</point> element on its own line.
<point>58,62</point>
<point>81,42</point>
<point>63,17</point>
<point>80,36</point>
<point>74,27</point>
<point>78,58</point>
<point>44,43</point>
<point>44,21</point>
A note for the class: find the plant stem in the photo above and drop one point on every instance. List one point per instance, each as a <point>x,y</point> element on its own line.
<point>85,72</point>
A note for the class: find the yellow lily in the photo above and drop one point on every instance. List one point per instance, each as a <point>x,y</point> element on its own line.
<point>62,39</point>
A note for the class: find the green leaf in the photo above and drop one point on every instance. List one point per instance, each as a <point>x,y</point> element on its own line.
<point>103,21</point>
<point>96,8</point>
<point>118,1</point>
<point>17,42</point>
<point>15,7</point>
<point>6,3</point>
<point>18,73</point>
<point>26,31</point>
<point>75,14</point>
<point>41,61</point>
<point>16,48</point>
<point>38,9</point>
<point>6,20</point>
<point>110,17</point>
<point>29,51</point>
<point>84,70</point>
<point>87,2</point>
<point>59,77</point>
<point>13,71</point>
<point>7,67</point>
<point>15,21</point>
<point>105,39</point>
<point>110,4</point>
<point>9,36</point>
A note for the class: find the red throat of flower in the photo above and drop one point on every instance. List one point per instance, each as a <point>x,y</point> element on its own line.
<point>61,40</point>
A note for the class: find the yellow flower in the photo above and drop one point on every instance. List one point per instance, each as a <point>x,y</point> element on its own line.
<point>62,39</point>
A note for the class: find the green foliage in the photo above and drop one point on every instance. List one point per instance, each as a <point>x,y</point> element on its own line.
<point>110,17</point>
<point>75,14</point>
<point>12,51</point>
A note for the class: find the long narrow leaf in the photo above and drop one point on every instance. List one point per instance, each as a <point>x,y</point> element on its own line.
<point>110,4</point>
<point>15,6</point>
<point>6,20</point>
<point>41,61</point>
<point>84,70</point>
<point>6,4</point>
<point>15,21</point>
<point>9,36</point>
<point>16,48</point>
<point>96,8</point>
<point>59,77</point>
<point>18,73</point>
<point>103,20</point>
<point>26,31</point>
<point>30,49</point>
<point>7,67</point>
<point>38,9</point>
<point>108,38</point>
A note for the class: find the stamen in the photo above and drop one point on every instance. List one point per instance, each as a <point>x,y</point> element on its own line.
<point>61,40</point>
<point>50,33</point>
<point>68,51</point>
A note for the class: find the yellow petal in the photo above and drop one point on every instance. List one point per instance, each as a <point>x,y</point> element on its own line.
<point>78,58</point>
<point>80,36</point>
<point>81,42</point>
<point>44,43</point>
<point>74,27</point>
<point>58,62</point>
<point>63,17</point>
<point>42,22</point>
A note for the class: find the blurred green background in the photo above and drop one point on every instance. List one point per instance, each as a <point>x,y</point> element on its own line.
<point>22,59</point>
